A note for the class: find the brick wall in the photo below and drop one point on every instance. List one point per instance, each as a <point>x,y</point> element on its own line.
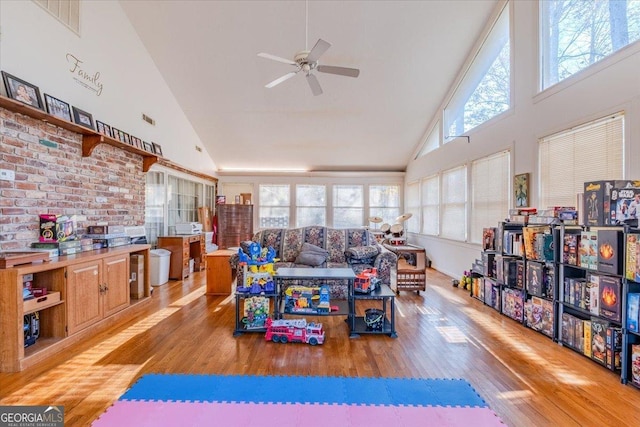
<point>51,176</point>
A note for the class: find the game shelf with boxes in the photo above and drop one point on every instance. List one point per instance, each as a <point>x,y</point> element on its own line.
<point>590,296</point>
<point>631,309</point>
<point>540,278</point>
<point>503,265</point>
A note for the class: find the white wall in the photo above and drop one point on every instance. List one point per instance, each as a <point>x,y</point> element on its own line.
<point>613,85</point>
<point>34,47</point>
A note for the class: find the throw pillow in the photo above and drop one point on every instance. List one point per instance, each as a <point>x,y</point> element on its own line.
<point>312,255</point>
<point>362,254</point>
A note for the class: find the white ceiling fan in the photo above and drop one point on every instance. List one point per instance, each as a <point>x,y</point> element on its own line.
<point>307,61</point>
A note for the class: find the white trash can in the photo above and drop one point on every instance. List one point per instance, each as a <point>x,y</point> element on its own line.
<point>159,265</point>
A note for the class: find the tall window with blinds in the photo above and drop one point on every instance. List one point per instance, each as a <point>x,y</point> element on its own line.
<point>430,188</point>
<point>490,192</point>
<point>591,152</point>
<point>454,203</point>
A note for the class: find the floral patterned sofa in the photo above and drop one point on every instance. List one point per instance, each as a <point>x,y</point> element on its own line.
<point>346,247</point>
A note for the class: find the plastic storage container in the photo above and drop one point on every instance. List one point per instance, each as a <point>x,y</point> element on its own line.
<point>159,264</point>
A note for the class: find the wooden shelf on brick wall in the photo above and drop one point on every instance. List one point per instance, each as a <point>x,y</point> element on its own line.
<point>90,138</point>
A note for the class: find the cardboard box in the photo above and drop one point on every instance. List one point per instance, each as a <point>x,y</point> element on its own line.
<point>635,364</point>
<point>610,251</point>
<point>610,298</point>
<point>56,228</point>
<point>599,340</point>
<point>597,204</point>
<point>633,308</point>
<point>105,229</point>
<point>137,276</point>
<point>588,250</point>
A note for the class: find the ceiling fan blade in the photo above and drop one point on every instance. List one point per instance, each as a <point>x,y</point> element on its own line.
<point>314,84</point>
<point>281,79</point>
<point>341,71</point>
<point>276,58</point>
<point>317,51</point>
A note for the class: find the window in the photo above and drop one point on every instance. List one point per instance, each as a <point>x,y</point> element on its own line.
<point>154,206</point>
<point>454,203</point>
<point>490,192</point>
<point>275,200</point>
<point>384,201</point>
<point>348,206</point>
<point>433,140</point>
<point>184,199</point>
<point>413,207</point>
<point>311,205</point>
<point>67,12</point>
<point>485,90</point>
<point>577,34</point>
<point>568,159</point>
<point>430,188</point>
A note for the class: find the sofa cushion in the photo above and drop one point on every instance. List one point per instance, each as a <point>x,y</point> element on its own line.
<point>362,254</point>
<point>312,255</point>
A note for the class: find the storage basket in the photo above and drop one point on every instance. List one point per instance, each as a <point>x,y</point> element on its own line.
<point>374,319</point>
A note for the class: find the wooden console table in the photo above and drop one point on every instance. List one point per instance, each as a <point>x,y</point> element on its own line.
<point>219,274</point>
<point>410,277</point>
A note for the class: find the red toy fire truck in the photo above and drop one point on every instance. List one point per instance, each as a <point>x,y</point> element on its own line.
<point>298,330</point>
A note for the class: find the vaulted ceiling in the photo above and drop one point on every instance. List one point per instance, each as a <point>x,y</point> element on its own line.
<point>408,53</point>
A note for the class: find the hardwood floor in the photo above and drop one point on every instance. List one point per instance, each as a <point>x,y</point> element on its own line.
<point>527,379</point>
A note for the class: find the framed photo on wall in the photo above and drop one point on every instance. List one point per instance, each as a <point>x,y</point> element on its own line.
<point>22,91</point>
<point>57,108</point>
<point>521,190</point>
<point>157,149</point>
<point>83,118</point>
<point>103,128</point>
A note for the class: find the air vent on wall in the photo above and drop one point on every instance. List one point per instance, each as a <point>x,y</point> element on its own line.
<point>148,119</point>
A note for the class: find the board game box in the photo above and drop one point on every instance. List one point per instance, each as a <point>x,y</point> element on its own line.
<point>635,364</point>
<point>610,298</point>
<point>588,250</point>
<point>535,278</point>
<point>625,205</point>
<point>599,340</point>
<point>610,251</point>
<point>633,308</point>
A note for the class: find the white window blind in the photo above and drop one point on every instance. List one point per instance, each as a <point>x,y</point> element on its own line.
<point>311,205</point>
<point>384,201</point>
<point>490,194</point>
<point>413,207</point>
<point>430,188</point>
<point>454,203</point>
<point>348,206</point>
<point>274,201</point>
<point>590,152</point>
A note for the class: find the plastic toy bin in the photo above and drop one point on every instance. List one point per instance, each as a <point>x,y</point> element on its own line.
<point>159,265</point>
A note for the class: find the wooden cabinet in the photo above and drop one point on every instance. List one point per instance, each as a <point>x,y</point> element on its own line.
<point>83,290</point>
<point>219,274</point>
<point>96,290</point>
<point>411,271</point>
<point>235,224</point>
<point>183,248</point>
